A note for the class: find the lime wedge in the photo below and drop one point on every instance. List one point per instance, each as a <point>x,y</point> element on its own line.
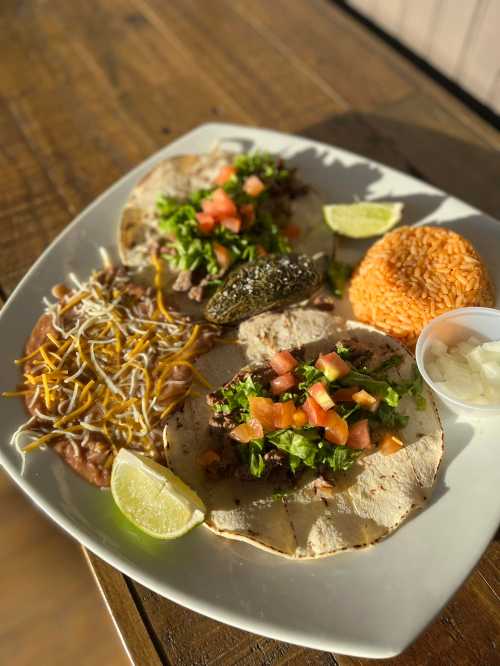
<point>153,497</point>
<point>363,219</point>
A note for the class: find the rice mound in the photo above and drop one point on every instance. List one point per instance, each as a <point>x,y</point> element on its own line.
<point>414,274</point>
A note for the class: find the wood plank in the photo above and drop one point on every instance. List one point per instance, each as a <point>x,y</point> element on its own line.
<point>189,638</point>
<point>259,80</point>
<point>364,88</point>
<point>123,609</point>
<point>51,612</point>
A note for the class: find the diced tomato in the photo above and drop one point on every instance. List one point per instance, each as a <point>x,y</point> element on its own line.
<point>345,394</point>
<point>225,174</point>
<point>219,204</point>
<point>366,400</point>
<point>359,435</point>
<point>390,444</point>
<point>208,457</point>
<point>291,231</point>
<point>283,362</point>
<point>316,416</point>
<point>261,251</point>
<point>336,428</point>
<point>332,366</point>
<point>299,418</point>
<point>253,186</point>
<point>248,431</point>
<point>232,223</point>
<point>262,410</point>
<point>248,212</point>
<point>283,414</point>
<point>222,254</point>
<point>321,395</point>
<point>210,207</point>
<point>283,383</point>
<point>206,222</point>
<point>226,206</point>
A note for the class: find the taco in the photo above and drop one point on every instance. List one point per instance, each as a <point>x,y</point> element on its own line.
<point>324,441</point>
<point>205,214</point>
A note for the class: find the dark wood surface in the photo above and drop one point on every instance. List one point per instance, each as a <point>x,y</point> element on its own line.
<point>89,89</point>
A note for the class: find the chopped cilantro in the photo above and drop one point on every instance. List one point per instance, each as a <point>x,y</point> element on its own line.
<point>309,375</point>
<point>338,275</point>
<point>236,396</point>
<point>343,351</point>
<point>414,387</point>
<point>256,460</point>
<point>305,446</point>
<point>390,417</point>
<point>377,387</point>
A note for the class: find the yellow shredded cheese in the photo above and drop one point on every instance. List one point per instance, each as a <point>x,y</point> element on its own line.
<point>72,302</point>
<point>100,372</point>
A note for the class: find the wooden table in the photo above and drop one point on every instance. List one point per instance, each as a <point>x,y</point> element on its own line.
<point>89,89</point>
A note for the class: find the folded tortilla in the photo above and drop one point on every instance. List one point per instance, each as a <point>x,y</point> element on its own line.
<point>371,500</point>
<point>178,177</point>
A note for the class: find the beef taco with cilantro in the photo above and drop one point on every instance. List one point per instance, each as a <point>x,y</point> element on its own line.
<point>202,215</point>
<point>325,441</point>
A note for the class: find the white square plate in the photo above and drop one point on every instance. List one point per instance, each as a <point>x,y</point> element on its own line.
<point>371,603</point>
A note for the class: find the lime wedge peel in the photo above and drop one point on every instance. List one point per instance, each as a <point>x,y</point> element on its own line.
<point>363,219</point>
<point>153,498</point>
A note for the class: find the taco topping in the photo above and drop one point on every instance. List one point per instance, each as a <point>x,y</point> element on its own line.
<point>243,216</point>
<point>322,415</point>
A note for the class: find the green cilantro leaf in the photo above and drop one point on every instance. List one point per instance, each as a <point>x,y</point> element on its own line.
<point>338,274</point>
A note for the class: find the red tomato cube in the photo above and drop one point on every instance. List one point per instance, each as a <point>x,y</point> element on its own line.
<point>262,410</point>
<point>359,435</point>
<point>332,366</point>
<point>390,444</point>
<point>345,394</point>
<point>222,254</point>
<point>248,212</point>
<point>283,414</point>
<point>291,231</point>
<point>246,432</point>
<point>299,418</point>
<point>206,222</point>
<point>283,383</point>
<point>253,186</point>
<point>336,428</point>
<point>232,223</point>
<point>283,362</point>
<point>225,174</point>
<point>321,395</point>
<point>225,205</point>
<point>219,204</point>
<point>316,416</point>
<point>366,400</point>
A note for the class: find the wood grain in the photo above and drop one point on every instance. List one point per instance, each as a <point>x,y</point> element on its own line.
<point>87,90</point>
<point>51,611</point>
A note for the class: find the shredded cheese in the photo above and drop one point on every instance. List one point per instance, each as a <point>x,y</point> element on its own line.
<point>98,377</point>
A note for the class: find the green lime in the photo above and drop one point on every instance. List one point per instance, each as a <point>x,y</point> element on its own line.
<point>363,219</point>
<point>153,498</point>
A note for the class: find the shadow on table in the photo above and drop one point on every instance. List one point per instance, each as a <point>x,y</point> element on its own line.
<point>465,170</point>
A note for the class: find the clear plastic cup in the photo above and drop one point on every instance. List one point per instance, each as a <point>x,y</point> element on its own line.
<point>451,328</point>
